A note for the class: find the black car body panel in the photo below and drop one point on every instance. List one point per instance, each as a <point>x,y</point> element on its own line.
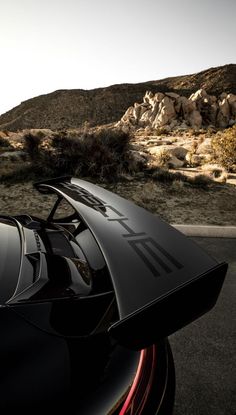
<point>86,290</point>
<point>162,280</point>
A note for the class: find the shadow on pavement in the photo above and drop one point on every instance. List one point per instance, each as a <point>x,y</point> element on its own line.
<point>204,351</point>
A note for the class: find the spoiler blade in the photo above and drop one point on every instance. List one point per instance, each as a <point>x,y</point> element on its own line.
<point>162,280</point>
<point>170,313</point>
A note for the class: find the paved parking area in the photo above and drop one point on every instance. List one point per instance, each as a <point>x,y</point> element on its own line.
<point>205,351</point>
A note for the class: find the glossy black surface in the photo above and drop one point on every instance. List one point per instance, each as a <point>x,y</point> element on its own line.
<point>10,258</point>
<point>42,372</point>
<point>82,285</point>
<point>153,267</point>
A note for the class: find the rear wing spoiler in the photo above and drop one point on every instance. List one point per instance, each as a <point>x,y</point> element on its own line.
<point>162,280</point>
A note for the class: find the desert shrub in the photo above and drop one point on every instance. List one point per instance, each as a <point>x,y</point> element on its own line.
<point>177,186</point>
<point>197,133</point>
<point>178,180</point>
<point>102,153</point>
<point>210,131</point>
<point>147,193</point>
<point>200,180</point>
<point>4,142</point>
<point>115,140</point>
<point>166,176</point>
<point>224,148</point>
<point>31,145</point>
<point>24,173</point>
<point>163,158</point>
<point>164,130</point>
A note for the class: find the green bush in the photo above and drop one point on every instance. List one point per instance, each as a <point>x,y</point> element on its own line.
<point>224,147</point>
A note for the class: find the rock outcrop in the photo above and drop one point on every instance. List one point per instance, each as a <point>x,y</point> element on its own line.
<point>172,110</point>
<point>73,108</point>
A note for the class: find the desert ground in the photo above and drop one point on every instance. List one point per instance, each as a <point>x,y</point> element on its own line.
<point>176,202</point>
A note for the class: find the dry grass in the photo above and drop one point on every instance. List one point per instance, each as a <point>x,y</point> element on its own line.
<point>178,202</point>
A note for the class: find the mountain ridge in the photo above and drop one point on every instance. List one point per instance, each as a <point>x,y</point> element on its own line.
<point>71,108</point>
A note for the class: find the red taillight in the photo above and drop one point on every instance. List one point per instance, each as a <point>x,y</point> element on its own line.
<point>138,394</point>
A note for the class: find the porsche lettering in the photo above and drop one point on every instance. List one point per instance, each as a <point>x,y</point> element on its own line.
<point>152,254</point>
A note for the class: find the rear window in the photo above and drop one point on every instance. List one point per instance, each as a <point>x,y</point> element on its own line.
<point>10,257</point>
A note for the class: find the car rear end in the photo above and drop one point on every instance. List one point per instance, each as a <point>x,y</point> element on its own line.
<point>95,292</point>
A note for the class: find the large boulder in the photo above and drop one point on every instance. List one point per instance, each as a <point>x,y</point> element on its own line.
<point>223,115</point>
<point>179,152</point>
<point>165,114</point>
<point>174,111</point>
<point>184,107</point>
<point>187,111</point>
<point>172,95</point>
<point>195,119</point>
<point>175,163</point>
<point>231,98</point>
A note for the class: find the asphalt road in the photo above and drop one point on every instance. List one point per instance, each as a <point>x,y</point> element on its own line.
<point>205,351</point>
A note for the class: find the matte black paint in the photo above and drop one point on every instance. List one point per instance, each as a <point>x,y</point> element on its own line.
<point>154,268</point>
<point>148,280</point>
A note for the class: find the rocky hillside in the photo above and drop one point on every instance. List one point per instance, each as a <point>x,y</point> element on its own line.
<point>173,111</point>
<point>72,108</point>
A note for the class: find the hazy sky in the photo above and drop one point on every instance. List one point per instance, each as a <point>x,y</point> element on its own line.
<point>47,45</point>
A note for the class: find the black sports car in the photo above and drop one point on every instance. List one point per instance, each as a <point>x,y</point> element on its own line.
<point>88,299</point>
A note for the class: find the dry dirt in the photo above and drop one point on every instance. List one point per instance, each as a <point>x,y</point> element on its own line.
<point>174,202</point>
